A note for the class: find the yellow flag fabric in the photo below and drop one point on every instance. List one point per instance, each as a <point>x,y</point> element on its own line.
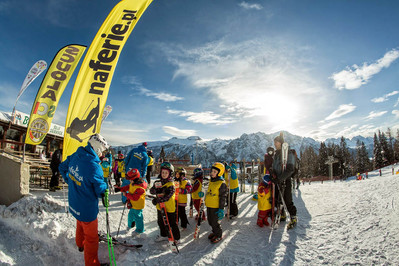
<point>50,91</point>
<point>91,88</point>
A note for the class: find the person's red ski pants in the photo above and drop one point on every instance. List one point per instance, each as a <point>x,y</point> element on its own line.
<point>87,237</point>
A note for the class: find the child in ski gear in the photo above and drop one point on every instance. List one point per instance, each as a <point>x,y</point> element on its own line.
<point>85,178</point>
<point>135,194</point>
<point>234,189</point>
<point>164,189</point>
<point>149,166</point>
<point>184,189</point>
<point>215,201</point>
<point>119,168</point>
<point>197,191</point>
<point>264,204</point>
<point>106,169</point>
<point>282,177</point>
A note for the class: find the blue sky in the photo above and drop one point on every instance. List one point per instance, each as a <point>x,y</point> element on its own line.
<point>218,69</point>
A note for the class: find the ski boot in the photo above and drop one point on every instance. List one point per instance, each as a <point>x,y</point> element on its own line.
<point>216,239</point>
<point>292,223</point>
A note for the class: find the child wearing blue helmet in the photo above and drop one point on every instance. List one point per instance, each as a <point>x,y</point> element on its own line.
<point>264,201</point>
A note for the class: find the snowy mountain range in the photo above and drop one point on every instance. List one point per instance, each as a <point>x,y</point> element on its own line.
<point>247,146</point>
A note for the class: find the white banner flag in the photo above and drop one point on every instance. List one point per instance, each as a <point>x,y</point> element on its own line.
<point>107,111</point>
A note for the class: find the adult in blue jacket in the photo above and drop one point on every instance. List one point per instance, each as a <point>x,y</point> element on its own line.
<point>138,158</point>
<point>84,175</point>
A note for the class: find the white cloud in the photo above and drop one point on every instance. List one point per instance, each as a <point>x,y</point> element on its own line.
<point>137,85</point>
<point>163,96</point>
<point>207,117</point>
<point>328,125</point>
<point>353,77</point>
<point>255,76</point>
<point>396,113</point>
<point>384,97</point>
<point>179,132</point>
<point>397,103</point>
<point>247,5</point>
<point>342,110</point>
<point>373,114</point>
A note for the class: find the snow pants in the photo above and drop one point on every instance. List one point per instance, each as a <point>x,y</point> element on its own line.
<point>87,237</point>
<point>137,217</point>
<point>197,203</point>
<point>172,222</point>
<point>182,216</point>
<point>233,204</point>
<point>262,218</point>
<point>214,222</point>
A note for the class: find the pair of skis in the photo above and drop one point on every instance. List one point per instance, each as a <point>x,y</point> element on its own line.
<point>116,242</point>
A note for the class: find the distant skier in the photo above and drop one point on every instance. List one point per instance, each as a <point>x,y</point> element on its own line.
<point>85,178</point>
<point>283,177</point>
<point>215,200</point>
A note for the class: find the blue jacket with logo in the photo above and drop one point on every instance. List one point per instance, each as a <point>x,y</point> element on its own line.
<point>83,174</point>
<point>138,158</point>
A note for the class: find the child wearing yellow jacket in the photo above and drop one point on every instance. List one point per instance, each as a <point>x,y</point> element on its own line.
<point>264,205</point>
<point>184,189</point>
<point>215,201</point>
<point>135,194</point>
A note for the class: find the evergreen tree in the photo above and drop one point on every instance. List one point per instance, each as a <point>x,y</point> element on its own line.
<point>344,158</point>
<point>390,153</point>
<point>308,164</point>
<point>377,152</point>
<point>384,147</point>
<point>362,162</point>
<point>322,158</point>
<point>396,146</point>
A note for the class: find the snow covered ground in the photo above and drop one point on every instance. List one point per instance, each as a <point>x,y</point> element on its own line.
<point>341,223</point>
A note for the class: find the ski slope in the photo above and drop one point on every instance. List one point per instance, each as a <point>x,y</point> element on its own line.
<point>341,223</point>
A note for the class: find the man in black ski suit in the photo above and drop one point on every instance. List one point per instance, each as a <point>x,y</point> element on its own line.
<point>283,177</point>
<point>55,162</point>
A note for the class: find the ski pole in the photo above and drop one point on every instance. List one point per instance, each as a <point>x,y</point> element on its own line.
<point>65,204</point>
<point>124,207</point>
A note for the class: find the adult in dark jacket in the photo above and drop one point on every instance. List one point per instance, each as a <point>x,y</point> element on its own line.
<point>56,159</point>
<point>282,177</point>
<point>84,175</point>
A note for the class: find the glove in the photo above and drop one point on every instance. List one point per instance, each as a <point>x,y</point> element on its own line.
<point>105,198</point>
<point>158,184</point>
<point>128,204</point>
<point>220,214</point>
<point>154,201</point>
<point>201,194</point>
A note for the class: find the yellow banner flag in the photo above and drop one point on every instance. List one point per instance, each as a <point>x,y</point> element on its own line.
<point>50,91</point>
<point>92,84</point>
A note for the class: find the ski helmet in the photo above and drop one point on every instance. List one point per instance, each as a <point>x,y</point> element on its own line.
<point>168,166</point>
<point>133,174</point>
<point>198,172</point>
<point>270,150</point>
<point>218,167</point>
<point>266,179</point>
<point>121,156</point>
<point>105,159</point>
<point>181,171</point>
<point>98,144</point>
<point>149,152</point>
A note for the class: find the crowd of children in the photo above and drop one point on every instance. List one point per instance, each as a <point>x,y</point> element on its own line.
<point>171,190</point>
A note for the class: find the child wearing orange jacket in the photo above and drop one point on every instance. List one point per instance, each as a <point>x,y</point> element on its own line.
<point>264,205</point>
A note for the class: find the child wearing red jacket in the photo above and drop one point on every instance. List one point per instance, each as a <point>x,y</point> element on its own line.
<point>135,194</point>
<point>264,205</point>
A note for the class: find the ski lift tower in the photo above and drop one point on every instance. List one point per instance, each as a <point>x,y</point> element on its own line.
<point>330,161</point>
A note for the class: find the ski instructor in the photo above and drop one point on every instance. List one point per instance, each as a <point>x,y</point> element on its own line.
<point>282,177</point>
<point>83,174</point>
